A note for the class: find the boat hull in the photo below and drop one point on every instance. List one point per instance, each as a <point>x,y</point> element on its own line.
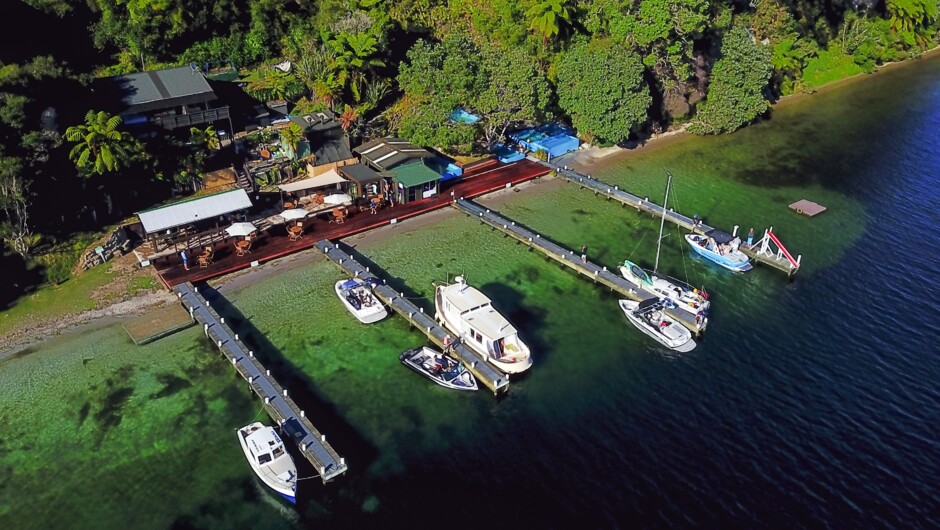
<point>366,315</point>
<point>738,263</point>
<point>682,343</point>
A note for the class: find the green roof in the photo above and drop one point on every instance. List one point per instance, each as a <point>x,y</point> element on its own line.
<point>415,174</point>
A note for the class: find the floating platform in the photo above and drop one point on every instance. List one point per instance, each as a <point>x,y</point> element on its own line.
<point>807,208</point>
<point>282,409</point>
<point>485,373</point>
<point>776,260</point>
<point>158,323</point>
<point>568,258</point>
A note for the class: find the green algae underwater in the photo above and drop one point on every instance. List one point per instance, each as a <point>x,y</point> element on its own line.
<point>97,432</point>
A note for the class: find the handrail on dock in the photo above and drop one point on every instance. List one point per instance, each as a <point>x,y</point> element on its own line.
<point>282,409</point>
<point>758,251</point>
<point>478,365</point>
<point>569,259</point>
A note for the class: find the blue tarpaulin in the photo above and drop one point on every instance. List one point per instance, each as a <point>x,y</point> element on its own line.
<point>462,116</point>
<point>507,153</point>
<point>551,138</point>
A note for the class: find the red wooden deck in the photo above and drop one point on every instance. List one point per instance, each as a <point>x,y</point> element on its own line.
<point>479,179</point>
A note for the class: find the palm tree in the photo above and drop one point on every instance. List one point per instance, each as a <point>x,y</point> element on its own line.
<point>348,118</point>
<point>205,138</point>
<point>353,57</point>
<point>99,145</point>
<point>291,136</point>
<point>546,18</point>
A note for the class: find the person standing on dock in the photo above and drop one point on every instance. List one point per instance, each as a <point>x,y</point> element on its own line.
<point>185,259</point>
<point>695,222</point>
<point>750,237</point>
<point>388,193</point>
<point>583,253</point>
<point>448,344</point>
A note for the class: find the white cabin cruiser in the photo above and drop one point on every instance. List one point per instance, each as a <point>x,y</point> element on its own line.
<point>467,312</point>
<point>269,459</point>
<point>359,299</point>
<point>649,316</point>
<point>684,296</point>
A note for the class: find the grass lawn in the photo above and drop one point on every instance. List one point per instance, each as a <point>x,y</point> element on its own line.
<point>829,66</point>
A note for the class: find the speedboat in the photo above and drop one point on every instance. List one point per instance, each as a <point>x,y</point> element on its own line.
<point>650,317</point>
<point>720,247</point>
<point>359,299</point>
<point>269,459</point>
<point>442,369</point>
<point>469,314</point>
<point>683,296</point>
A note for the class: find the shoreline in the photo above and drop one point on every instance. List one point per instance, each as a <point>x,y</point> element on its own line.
<point>584,160</point>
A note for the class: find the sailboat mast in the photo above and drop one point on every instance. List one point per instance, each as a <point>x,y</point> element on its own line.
<point>662,221</point>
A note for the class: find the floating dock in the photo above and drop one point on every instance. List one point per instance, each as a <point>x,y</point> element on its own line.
<point>571,260</point>
<point>282,409</point>
<point>807,208</point>
<point>759,251</point>
<point>485,373</point>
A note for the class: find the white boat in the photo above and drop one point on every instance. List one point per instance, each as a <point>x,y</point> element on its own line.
<point>359,299</point>
<point>442,369</point>
<point>269,459</point>
<point>720,247</point>
<point>650,318</point>
<point>469,314</point>
<point>683,296</point>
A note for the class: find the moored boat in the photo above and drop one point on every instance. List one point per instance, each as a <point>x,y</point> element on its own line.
<point>442,369</point>
<point>649,316</point>
<point>720,247</point>
<point>359,299</point>
<point>682,295</point>
<point>269,459</point>
<point>470,315</point>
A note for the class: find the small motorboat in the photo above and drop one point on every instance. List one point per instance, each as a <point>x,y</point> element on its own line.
<point>359,299</point>
<point>720,247</point>
<point>440,368</point>
<point>682,295</point>
<point>269,459</point>
<point>649,316</point>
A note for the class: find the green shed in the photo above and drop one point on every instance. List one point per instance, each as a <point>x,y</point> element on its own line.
<point>415,181</point>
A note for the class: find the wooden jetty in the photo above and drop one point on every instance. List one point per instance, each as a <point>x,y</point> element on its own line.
<point>759,251</point>
<point>485,373</point>
<point>568,258</point>
<point>282,409</point>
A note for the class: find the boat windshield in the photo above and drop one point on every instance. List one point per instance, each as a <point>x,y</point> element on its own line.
<point>264,458</point>
<point>278,451</point>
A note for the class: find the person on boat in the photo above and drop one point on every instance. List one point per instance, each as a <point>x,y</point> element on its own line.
<point>448,344</point>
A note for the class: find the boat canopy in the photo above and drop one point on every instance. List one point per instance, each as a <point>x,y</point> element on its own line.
<point>720,236</point>
<point>647,305</point>
<point>349,284</point>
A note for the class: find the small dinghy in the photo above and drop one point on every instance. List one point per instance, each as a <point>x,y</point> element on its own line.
<point>440,368</point>
<point>359,299</point>
<point>649,316</point>
<point>269,459</point>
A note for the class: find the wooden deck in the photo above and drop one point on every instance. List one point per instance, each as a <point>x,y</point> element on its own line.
<point>756,252</point>
<point>282,409</point>
<point>568,258</point>
<point>480,178</point>
<point>485,373</point>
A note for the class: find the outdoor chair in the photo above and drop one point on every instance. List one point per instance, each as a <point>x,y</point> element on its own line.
<point>204,261</point>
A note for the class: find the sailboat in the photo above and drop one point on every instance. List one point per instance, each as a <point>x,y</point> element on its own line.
<point>680,294</point>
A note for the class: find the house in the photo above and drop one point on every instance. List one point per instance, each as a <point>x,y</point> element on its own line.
<point>384,154</point>
<point>173,98</point>
<point>327,143</point>
<point>412,168</point>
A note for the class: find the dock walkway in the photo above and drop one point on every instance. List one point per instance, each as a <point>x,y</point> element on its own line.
<point>485,373</point>
<point>280,407</point>
<point>756,252</point>
<point>571,260</point>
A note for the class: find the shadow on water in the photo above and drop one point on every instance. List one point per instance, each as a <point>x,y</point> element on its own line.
<point>342,436</point>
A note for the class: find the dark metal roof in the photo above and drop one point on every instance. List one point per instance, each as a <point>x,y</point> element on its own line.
<point>386,153</point>
<point>720,236</point>
<point>360,173</point>
<point>329,147</point>
<point>158,89</point>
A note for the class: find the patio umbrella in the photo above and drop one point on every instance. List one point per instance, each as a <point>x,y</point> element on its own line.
<point>337,198</point>
<point>240,229</point>
<point>294,213</point>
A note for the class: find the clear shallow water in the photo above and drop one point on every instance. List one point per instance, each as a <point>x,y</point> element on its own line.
<point>808,404</point>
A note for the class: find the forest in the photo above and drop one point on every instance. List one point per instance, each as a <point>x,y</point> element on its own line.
<point>618,71</point>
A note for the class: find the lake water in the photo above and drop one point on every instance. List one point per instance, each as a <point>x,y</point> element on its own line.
<point>808,404</point>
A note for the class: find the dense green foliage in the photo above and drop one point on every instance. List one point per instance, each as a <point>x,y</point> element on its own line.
<point>736,92</point>
<point>601,86</point>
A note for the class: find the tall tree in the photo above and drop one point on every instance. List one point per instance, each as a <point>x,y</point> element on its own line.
<point>355,54</point>
<point>99,146</point>
<point>14,202</point>
<point>291,136</point>
<point>738,83</point>
<point>513,91</point>
<point>546,18</point>
<point>601,86</point>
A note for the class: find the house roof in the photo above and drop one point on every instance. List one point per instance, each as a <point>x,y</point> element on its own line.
<point>330,177</point>
<point>158,89</point>
<point>186,212</point>
<point>386,153</point>
<point>415,174</point>
<point>330,147</point>
<point>360,173</point>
